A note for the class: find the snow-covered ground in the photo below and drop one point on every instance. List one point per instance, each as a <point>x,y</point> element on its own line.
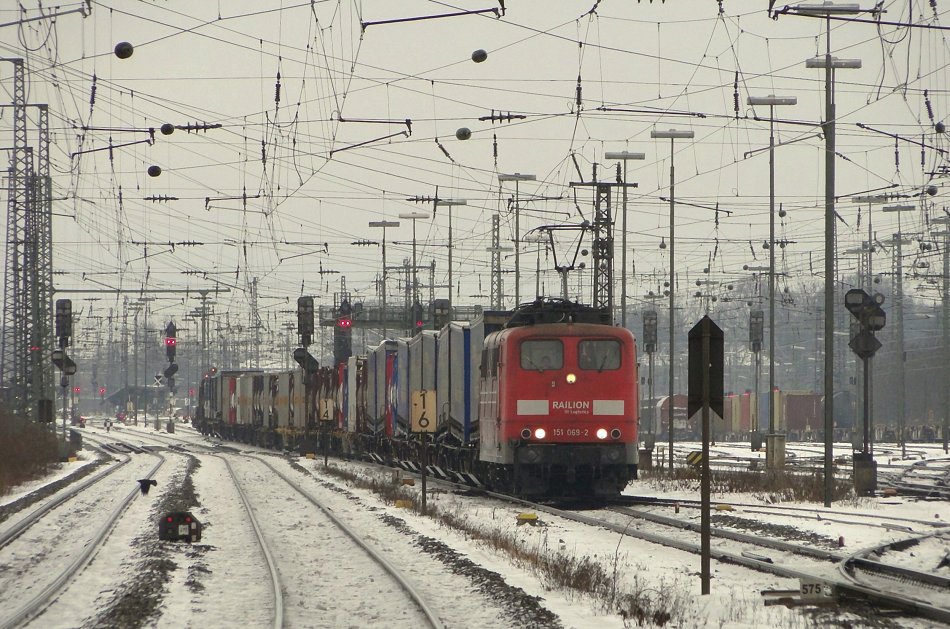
<point>221,581</point>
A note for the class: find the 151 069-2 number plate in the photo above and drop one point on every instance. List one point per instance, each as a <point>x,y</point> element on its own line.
<point>570,432</point>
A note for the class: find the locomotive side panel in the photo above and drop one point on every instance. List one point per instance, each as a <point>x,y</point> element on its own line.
<point>492,448</point>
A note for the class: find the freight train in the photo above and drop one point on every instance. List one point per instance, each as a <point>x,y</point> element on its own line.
<point>544,406</point>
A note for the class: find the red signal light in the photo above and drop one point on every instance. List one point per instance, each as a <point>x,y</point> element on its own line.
<point>168,519</point>
<point>35,348</point>
<point>419,324</point>
<point>191,393</point>
<point>345,323</point>
<point>76,389</point>
<point>102,390</point>
<point>171,342</point>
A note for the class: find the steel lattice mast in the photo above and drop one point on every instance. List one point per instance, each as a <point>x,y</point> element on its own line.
<point>28,281</point>
<point>497,292</point>
<point>14,352</point>
<point>602,250</point>
<point>40,233</point>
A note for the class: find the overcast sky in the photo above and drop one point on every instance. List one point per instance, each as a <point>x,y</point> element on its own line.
<point>578,78</point>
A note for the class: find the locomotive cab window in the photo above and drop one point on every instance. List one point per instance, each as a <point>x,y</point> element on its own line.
<point>489,367</point>
<point>598,354</point>
<point>542,355</point>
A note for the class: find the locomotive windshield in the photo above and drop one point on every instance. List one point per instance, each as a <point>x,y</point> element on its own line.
<point>542,355</point>
<point>599,354</point>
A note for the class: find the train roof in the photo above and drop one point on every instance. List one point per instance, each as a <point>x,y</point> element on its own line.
<point>555,310</point>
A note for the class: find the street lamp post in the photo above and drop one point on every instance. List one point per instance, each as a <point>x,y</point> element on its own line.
<point>384,225</point>
<point>774,447</point>
<point>898,241</point>
<point>829,63</point>
<point>625,156</point>
<point>517,177</point>
<point>414,216</point>
<point>672,135</point>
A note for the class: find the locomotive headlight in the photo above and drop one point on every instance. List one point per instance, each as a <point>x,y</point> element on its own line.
<point>601,433</point>
<point>540,433</point>
<point>526,433</point>
<point>571,378</point>
<point>615,433</point>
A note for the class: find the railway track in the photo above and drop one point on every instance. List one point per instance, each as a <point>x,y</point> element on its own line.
<point>836,580</point>
<point>875,520</point>
<point>812,565</point>
<point>10,533</point>
<point>929,478</point>
<point>909,600</point>
<point>276,586</point>
<point>59,544</point>
<point>282,543</point>
<point>292,539</point>
<point>926,590</point>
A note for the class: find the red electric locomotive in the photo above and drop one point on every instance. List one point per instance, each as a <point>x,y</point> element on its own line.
<point>558,403</point>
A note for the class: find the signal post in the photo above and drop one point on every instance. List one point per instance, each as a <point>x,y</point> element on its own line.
<point>871,317</point>
<point>706,394</point>
<point>64,330</point>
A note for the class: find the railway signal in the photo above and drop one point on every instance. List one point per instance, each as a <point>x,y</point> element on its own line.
<point>305,320</point>
<point>171,341</point>
<point>64,321</point>
<point>872,318</point>
<point>343,333</point>
<point>649,331</point>
<point>416,320</point>
<point>171,345</point>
